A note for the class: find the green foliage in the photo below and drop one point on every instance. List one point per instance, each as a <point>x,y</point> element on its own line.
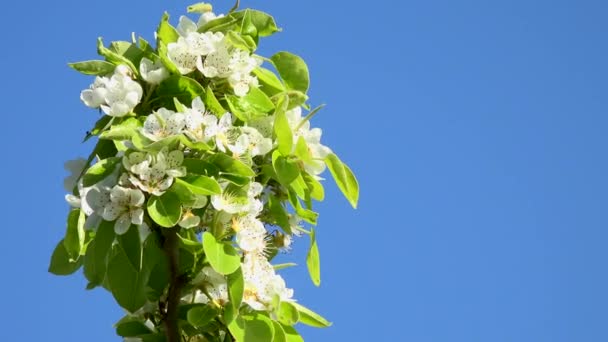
<point>180,208</point>
<point>223,257</point>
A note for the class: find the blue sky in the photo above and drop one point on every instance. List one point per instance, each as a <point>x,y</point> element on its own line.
<point>477,130</point>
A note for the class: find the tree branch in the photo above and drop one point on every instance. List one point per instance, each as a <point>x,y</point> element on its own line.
<point>171,248</point>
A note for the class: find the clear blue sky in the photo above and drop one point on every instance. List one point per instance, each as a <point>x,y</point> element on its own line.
<point>477,130</point>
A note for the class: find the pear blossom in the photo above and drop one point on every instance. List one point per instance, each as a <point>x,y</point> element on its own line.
<point>184,58</point>
<point>125,207</point>
<point>189,220</point>
<point>153,72</point>
<point>207,17</point>
<point>312,137</point>
<point>163,123</point>
<point>196,119</point>
<point>220,131</point>
<point>116,96</point>
<point>75,167</point>
<point>258,144</point>
<point>262,283</point>
<point>155,173</point>
<point>237,204</point>
<point>250,234</point>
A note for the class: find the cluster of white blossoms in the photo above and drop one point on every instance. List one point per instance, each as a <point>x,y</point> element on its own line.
<point>116,95</point>
<point>201,165</point>
<point>212,54</point>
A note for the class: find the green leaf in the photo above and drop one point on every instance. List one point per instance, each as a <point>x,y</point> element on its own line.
<point>200,8</point>
<point>344,177</point>
<point>200,167</point>
<point>287,171</point>
<point>61,264</point>
<point>237,328</point>
<point>279,333</point>
<point>212,104</point>
<point>310,317</point>
<point>222,24</point>
<point>100,171</point>
<point>165,32</point>
<point>282,130</point>
<point>312,260</point>
<point>100,126</point>
<point>96,68</point>
<point>255,104</point>
<point>288,314</point>
<point>307,215</point>
<point>236,288</point>
<point>293,70</point>
<point>200,185</point>
<point>291,335</point>
<point>245,43</point>
<point>75,235</point>
<point>202,315</point>
<point>125,282</point>
<point>282,266</point>
<point>269,82</point>
<point>165,210</point>
<point>128,50</point>
<point>258,328</point>
<point>223,257</point>
<point>230,165</point>
<point>279,214</point>
<point>122,131</point>
<point>315,187</point>
<point>191,244</point>
<point>96,258</point>
<point>114,58</point>
<point>297,98</point>
<point>162,54</point>
<point>263,22</point>
<point>132,246</point>
<point>183,88</point>
<point>131,327</point>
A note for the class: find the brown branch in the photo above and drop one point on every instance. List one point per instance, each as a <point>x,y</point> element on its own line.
<point>171,248</point>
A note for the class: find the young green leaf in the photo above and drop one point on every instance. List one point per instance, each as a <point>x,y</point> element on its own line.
<point>258,328</point>
<point>61,263</point>
<point>165,210</point>
<point>344,177</point>
<point>125,282</point>
<point>236,287</point>
<point>165,32</point>
<point>200,185</point>
<point>95,68</point>
<point>100,171</point>
<point>287,313</point>
<point>223,257</point>
<point>310,317</point>
<point>293,70</point>
<point>282,130</point>
<point>115,58</point>
<point>312,260</point>
<point>231,165</point>
<point>75,235</point>
<point>199,316</point>
<point>96,258</point>
<point>287,171</point>
<point>269,82</point>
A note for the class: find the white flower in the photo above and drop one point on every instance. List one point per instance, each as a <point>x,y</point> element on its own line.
<point>250,234</point>
<point>75,167</point>
<point>186,26</point>
<point>95,96</point>
<point>153,72</point>
<point>124,207</point>
<point>216,63</point>
<point>122,93</point>
<point>234,204</point>
<point>312,137</point>
<point>196,119</point>
<point>207,17</point>
<point>240,146</point>
<point>155,174</point>
<point>241,66</point>
<point>182,55</point>
<point>163,123</point>
<point>189,220</point>
<point>220,131</point>
<point>258,144</point>
<point>214,283</point>
<point>262,283</point>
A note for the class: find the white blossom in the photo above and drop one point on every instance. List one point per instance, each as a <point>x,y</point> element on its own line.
<point>250,234</point>
<point>312,137</point>
<point>155,173</point>
<point>163,123</point>
<point>153,72</point>
<point>125,207</point>
<point>262,283</point>
<point>75,167</point>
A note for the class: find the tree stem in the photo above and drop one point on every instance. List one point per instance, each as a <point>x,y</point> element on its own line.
<point>171,248</point>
